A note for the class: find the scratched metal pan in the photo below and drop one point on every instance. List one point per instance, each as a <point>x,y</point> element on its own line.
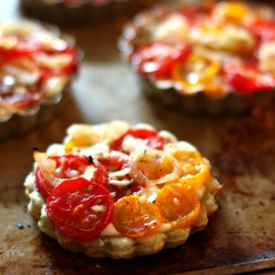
<point>238,238</point>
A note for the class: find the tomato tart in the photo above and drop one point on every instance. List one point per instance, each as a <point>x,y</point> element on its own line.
<point>38,66</point>
<point>119,190</point>
<point>208,56</point>
<point>81,12</point>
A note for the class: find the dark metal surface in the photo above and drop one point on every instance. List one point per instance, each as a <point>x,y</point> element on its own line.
<point>240,235</point>
<point>83,12</point>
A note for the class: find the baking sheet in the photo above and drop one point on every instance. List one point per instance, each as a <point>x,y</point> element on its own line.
<point>239,236</point>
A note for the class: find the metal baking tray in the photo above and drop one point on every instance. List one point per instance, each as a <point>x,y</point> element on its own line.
<point>240,235</point>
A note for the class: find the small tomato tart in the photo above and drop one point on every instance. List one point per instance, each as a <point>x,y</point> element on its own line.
<point>207,56</point>
<point>119,190</point>
<point>38,64</point>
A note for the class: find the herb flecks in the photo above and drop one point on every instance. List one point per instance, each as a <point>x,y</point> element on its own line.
<point>90,160</point>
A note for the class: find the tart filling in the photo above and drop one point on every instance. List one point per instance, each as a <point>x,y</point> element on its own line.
<point>119,190</point>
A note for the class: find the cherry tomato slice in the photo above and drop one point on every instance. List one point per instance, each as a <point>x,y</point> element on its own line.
<point>263,29</point>
<point>150,137</point>
<point>198,14</point>
<point>136,218</point>
<point>43,186</point>
<point>101,174</point>
<point>70,54</point>
<point>179,204</point>
<point>26,68</point>
<point>80,209</point>
<point>18,93</point>
<point>195,170</point>
<point>187,76</point>
<point>65,164</point>
<point>116,161</point>
<point>13,97</point>
<point>158,58</point>
<point>19,52</point>
<point>246,78</point>
<point>230,12</point>
<point>70,166</point>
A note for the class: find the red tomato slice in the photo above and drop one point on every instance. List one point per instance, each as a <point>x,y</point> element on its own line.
<point>43,186</point>
<point>246,78</point>
<point>19,94</point>
<point>66,164</point>
<point>263,29</point>
<point>80,209</point>
<point>18,52</point>
<point>195,15</point>
<point>13,96</point>
<point>24,46</point>
<point>115,161</point>
<point>136,218</point>
<point>150,137</point>
<point>21,58</point>
<point>71,68</point>
<point>158,58</point>
<point>101,174</point>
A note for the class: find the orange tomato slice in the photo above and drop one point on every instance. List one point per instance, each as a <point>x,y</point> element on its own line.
<point>197,74</point>
<point>165,166</point>
<point>202,69</point>
<point>195,171</point>
<point>233,11</point>
<point>69,144</point>
<point>135,217</point>
<point>74,142</point>
<point>179,204</point>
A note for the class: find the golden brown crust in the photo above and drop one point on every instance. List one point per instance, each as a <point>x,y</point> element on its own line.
<point>117,246</point>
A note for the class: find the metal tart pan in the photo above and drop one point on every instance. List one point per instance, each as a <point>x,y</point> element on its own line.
<point>23,121</point>
<point>137,31</point>
<point>83,12</point>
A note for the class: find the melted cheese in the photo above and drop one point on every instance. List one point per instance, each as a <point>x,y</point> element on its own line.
<point>151,192</point>
<point>175,25</point>
<point>109,230</point>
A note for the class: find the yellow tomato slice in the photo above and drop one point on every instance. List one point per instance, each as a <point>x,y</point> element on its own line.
<point>166,166</point>
<point>214,90</point>
<point>72,142</point>
<point>195,171</point>
<point>204,68</point>
<point>196,74</point>
<point>135,217</point>
<point>69,144</point>
<point>233,11</point>
<point>179,204</point>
